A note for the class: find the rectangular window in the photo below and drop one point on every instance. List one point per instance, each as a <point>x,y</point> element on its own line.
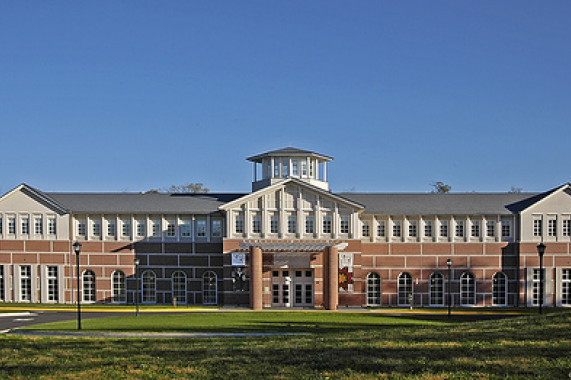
<point>276,168</point>
<point>216,228</point>
<point>25,226</point>
<point>285,167</point>
<point>366,229</point>
<point>52,226</point>
<point>475,228</point>
<point>256,224</point>
<point>309,224</point>
<point>294,169</point>
<point>171,229</point>
<point>81,228</point>
<point>26,283</point>
<point>185,228</point>
<point>443,228</point>
<point>156,228</point>
<point>38,226</point>
<point>506,228</point>
<point>536,284</point>
<point>552,227</point>
<point>96,228</point>
<point>53,291</point>
<point>412,228</point>
<point>537,227</point>
<point>491,226</point>
<point>110,228</point>
<point>201,228</point>
<point>12,226</point>
<point>459,228</point>
<point>126,228</point>
<point>274,224</point>
<point>344,224</point>
<point>397,228</point>
<point>428,228</point>
<point>327,224</point>
<point>566,227</point>
<point>291,224</point>
<point>381,228</point>
<point>239,224</point>
<point>304,168</point>
<point>2,287</point>
<point>141,228</point>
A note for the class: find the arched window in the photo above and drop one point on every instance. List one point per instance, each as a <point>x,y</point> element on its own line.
<point>179,287</point>
<point>436,289</point>
<point>119,290</point>
<point>209,289</point>
<point>89,286</point>
<point>467,289</point>
<point>405,289</point>
<point>500,289</point>
<point>149,288</point>
<point>373,289</point>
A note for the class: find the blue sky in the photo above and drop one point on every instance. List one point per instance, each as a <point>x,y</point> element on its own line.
<point>133,95</point>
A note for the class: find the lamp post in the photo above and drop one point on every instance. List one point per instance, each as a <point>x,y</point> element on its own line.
<point>77,250</point>
<point>137,261</point>
<point>541,251</point>
<point>449,263</point>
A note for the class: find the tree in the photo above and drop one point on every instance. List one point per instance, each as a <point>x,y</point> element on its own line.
<point>515,190</point>
<point>441,187</point>
<point>193,188</point>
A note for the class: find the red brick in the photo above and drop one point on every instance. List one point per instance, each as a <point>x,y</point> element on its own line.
<point>5,258</point>
<point>366,261</point>
<point>390,262</point>
<point>38,246</point>
<point>484,262</point>
<point>117,247</point>
<point>436,249</point>
<point>563,261</point>
<point>15,245</point>
<point>102,259</point>
<point>52,258</point>
<point>405,249</point>
<point>457,261</point>
<point>375,249</point>
<point>24,258</point>
<point>61,246</point>
<point>468,249</point>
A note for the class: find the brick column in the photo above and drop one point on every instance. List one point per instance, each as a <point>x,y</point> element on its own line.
<point>256,278</point>
<point>332,270</point>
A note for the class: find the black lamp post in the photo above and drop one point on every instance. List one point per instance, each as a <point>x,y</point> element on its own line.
<point>541,251</point>
<point>449,263</point>
<point>77,250</point>
<point>137,261</point>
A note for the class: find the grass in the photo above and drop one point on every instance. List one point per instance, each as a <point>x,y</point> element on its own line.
<point>341,345</point>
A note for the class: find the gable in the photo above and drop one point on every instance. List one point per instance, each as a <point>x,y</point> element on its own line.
<point>25,199</point>
<point>557,202</point>
<point>292,194</point>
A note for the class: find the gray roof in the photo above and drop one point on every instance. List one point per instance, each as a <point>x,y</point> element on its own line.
<point>443,204</point>
<point>289,152</point>
<point>140,203</point>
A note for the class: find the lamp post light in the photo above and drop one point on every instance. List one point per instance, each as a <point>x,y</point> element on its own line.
<point>449,263</point>
<point>77,250</point>
<point>541,251</point>
<point>137,261</point>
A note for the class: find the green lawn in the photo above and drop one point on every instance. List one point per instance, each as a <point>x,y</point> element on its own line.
<point>339,345</point>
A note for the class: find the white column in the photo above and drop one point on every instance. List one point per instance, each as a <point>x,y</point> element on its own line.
<point>324,171</point>
<point>335,222</point>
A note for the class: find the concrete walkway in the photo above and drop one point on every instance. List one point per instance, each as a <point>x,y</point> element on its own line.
<point>101,334</point>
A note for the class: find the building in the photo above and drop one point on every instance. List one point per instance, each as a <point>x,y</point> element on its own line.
<point>289,243</point>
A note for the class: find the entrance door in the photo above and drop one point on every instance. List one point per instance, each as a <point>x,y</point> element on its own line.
<point>292,287</point>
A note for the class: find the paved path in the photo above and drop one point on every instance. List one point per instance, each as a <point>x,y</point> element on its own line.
<point>102,334</point>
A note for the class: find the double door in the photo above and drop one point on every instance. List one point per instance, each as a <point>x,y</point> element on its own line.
<point>292,287</point>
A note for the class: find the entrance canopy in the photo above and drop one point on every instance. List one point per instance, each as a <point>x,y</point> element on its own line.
<point>316,247</point>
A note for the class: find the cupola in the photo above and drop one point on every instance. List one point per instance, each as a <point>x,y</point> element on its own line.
<point>277,165</point>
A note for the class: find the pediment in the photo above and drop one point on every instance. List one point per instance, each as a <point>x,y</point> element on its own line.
<point>293,194</point>
<point>555,201</point>
<point>26,198</point>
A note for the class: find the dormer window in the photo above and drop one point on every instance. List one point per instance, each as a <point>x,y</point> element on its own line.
<point>285,168</point>
<point>294,167</point>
